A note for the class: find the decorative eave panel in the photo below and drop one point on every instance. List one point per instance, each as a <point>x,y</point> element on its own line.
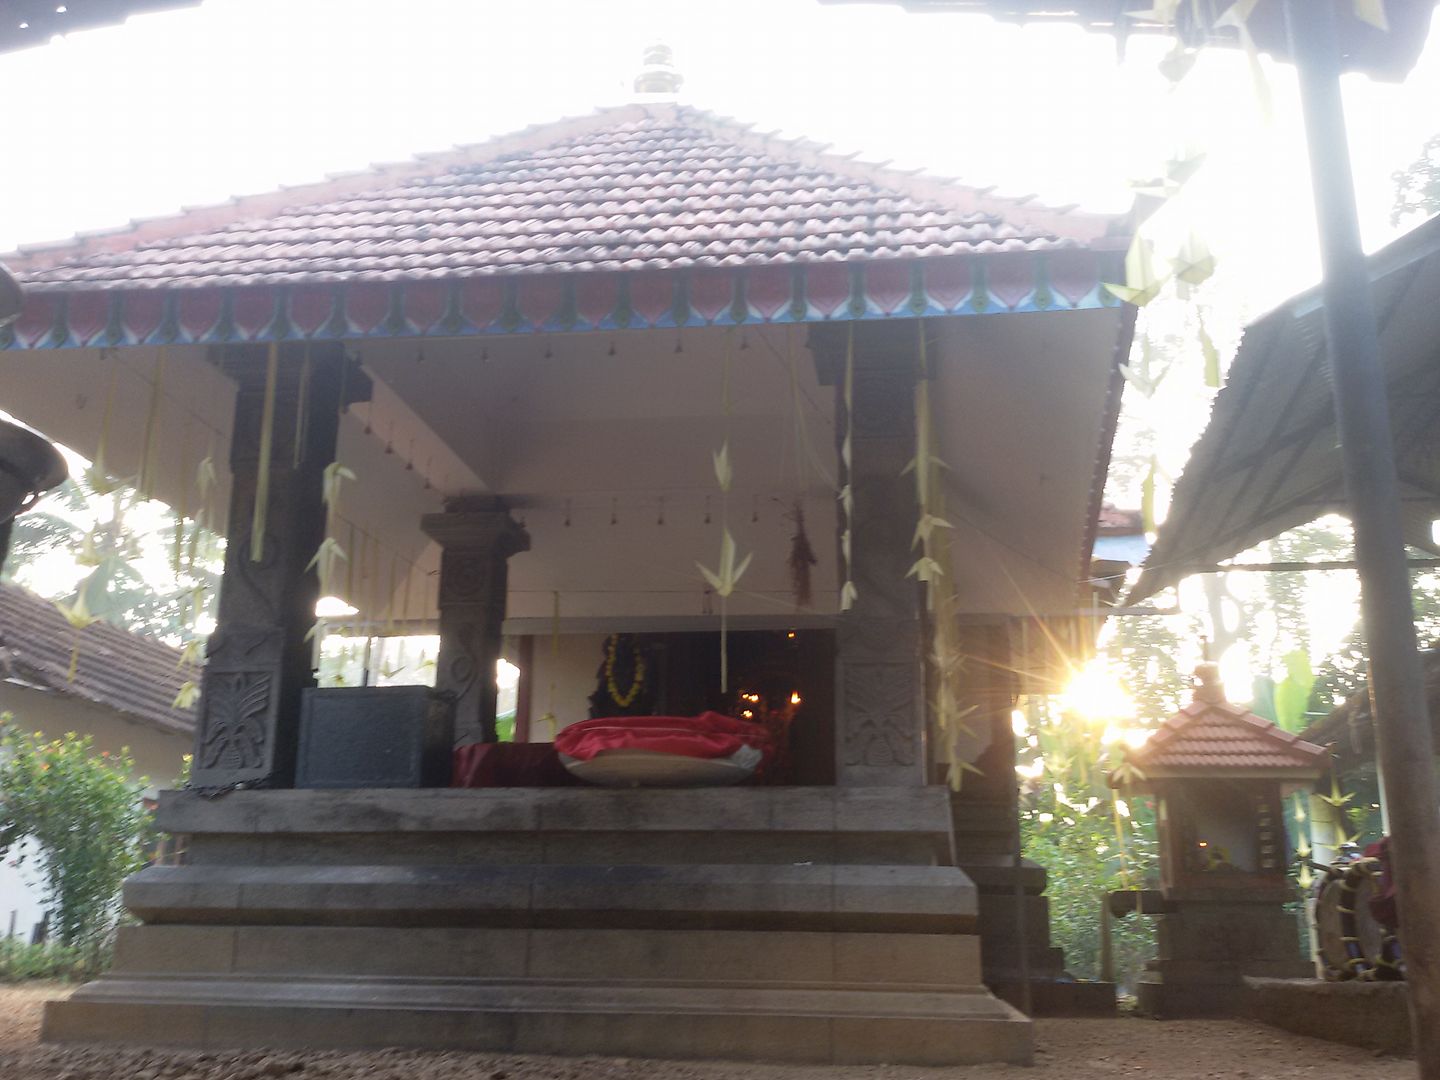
<point>460,307</point>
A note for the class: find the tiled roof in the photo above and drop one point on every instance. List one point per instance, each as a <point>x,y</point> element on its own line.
<point>134,675</point>
<point>1216,736</point>
<point>1114,521</point>
<point>655,187</point>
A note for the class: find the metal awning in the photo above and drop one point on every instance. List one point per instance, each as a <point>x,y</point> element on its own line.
<point>1269,459</point>
<point>27,23</point>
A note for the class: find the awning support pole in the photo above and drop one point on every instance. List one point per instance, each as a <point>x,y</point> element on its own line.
<point>1397,689</point>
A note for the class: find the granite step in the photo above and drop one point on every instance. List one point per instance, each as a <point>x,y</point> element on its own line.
<point>708,957</point>
<point>563,825</point>
<point>929,1027</point>
<point>916,899</point>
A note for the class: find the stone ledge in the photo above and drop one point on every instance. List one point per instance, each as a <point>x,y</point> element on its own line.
<point>759,896</point>
<point>491,810</point>
<point>1374,1015</point>
<point>696,957</point>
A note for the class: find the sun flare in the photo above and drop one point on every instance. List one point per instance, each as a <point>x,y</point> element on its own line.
<point>1095,693</point>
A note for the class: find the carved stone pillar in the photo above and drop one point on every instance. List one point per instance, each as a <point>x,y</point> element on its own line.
<point>477,536</point>
<point>880,701</point>
<point>258,659</point>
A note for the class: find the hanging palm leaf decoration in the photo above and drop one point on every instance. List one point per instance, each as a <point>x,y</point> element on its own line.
<point>945,661</point>
<point>79,617</point>
<point>848,593</point>
<point>730,567</point>
<point>97,475</point>
<point>146,482</point>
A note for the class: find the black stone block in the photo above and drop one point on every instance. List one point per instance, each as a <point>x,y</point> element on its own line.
<point>375,737</point>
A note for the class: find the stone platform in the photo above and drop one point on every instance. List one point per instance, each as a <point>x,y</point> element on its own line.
<point>788,924</point>
<point>1207,948</point>
<point>1373,1015</point>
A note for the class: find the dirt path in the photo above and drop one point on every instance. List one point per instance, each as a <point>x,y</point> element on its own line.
<point>1069,1050</point>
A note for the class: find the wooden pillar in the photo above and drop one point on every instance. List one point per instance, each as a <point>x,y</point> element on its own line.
<point>477,536</point>
<point>258,659</point>
<point>879,689</point>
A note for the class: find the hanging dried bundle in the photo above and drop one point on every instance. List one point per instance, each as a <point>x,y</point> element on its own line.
<point>802,558</point>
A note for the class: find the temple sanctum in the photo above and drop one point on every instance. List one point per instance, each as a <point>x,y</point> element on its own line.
<point>682,421</point>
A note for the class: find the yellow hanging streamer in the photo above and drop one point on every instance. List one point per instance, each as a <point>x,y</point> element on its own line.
<point>182,510</point>
<point>267,443</point>
<point>390,594</point>
<point>848,593</point>
<point>152,423</point>
<point>98,474</point>
<point>550,717</point>
<point>356,554</point>
<point>301,407</point>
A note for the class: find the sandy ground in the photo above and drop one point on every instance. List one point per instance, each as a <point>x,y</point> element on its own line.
<point>1069,1049</point>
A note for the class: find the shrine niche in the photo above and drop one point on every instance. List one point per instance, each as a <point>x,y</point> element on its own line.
<point>1218,774</point>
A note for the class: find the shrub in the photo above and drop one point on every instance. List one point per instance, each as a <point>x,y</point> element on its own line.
<point>82,813</point>
<point>50,960</point>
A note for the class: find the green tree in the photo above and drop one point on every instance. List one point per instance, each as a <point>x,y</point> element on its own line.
<point>1417,189</point>
<point>81,813</point>
<point>1090,839</point>
<point>52,526</point>
<point>93,518</point>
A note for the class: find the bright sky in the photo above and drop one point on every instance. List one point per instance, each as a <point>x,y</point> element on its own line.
<point>239,96</point>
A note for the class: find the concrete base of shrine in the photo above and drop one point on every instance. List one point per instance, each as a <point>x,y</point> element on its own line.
<point>1206,951</point>
<point>800,924</point>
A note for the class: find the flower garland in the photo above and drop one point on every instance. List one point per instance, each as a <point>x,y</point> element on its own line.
<point>626,699</point>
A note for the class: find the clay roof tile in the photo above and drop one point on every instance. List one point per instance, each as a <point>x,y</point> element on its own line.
<point>665,182</point>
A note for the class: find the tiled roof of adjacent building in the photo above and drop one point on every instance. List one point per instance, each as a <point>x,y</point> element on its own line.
<point>117,669</point>
<point>653,187</point>
<point>1210,735</point>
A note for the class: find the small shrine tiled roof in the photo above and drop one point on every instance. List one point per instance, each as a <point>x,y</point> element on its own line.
<point>132,674</point>
<point>1211,736</point>
<point>632,188</point>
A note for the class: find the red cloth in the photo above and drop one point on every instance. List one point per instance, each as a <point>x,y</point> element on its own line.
<point>509,765</point>
<point>709,735</point>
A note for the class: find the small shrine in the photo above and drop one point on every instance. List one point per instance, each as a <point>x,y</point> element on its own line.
<point>1218,774</point>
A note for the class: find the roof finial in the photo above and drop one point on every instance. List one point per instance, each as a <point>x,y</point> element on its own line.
<point>659,80</point>
<point>1209,688</point>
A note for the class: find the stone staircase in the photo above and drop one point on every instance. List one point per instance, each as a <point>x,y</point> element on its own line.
<point>793,924</point>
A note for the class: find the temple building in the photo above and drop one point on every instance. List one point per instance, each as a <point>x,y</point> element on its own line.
<point>681,419</point>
